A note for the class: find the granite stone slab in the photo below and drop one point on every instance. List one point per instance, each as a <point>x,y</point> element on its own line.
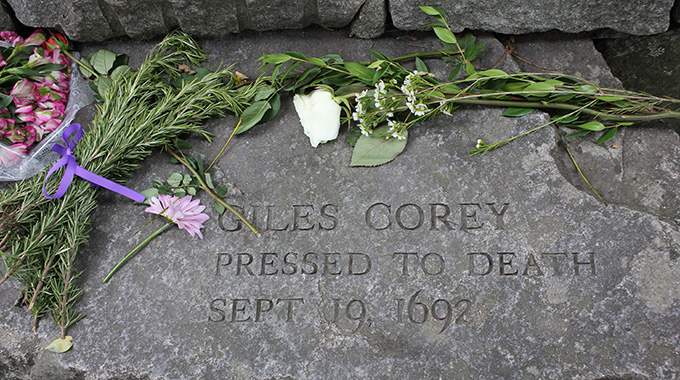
<point>436,265</point>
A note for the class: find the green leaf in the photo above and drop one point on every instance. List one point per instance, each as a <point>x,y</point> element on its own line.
<point>607,135</point>
<point>353,88</point>
<point>275,103</point>
<point>540,86</point>
<point>582,133</point>
<point>435,12</point>
<point>609,98</point>
<point>208,181</point>
<point>120,70</point>
<point>353,136</point>
<point>273,59</point>
<point>516,112</point>
<point>148,193</point>
<point>102,61</point>
<point>592,126</point>
<point>103,83</point>
<point>485,73</point>
<point>180,192</point>
<point>175,179</point>
<point>83,69</point>
<point>374,150</point>
<point>5,100</point>
<point>446,36</point>
<point>469,68</point>
<point>263,93</point>
<point>420,65</point>
<point>587,88</point>
<point>219,208</point>
<point>191,190</point>
<point>182,144</point>
<point>252,115</point>
<point>61,345</point>
<point>221,190</point>
<point>186,180</point>
<point>332,58</point>
<point>360,71</point>
<point>306,77</point>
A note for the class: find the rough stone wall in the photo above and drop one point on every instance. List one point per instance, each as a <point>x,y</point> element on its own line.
<point>98,20</point>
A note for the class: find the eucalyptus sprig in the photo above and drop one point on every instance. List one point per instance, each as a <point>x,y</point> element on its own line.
<point>141,111</point>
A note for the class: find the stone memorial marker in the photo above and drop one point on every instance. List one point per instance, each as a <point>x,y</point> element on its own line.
<point>437,265</point>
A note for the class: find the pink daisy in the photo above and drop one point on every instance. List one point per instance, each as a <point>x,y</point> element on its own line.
<point>183,212</point>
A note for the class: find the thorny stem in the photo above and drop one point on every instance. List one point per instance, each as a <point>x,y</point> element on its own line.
<point>212,194</point>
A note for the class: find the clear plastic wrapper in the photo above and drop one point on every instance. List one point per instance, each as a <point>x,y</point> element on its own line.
<point>15,167</point>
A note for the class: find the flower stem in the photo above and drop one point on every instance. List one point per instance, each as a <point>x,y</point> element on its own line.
<point>569,107</point>
<point>219,200</point>
<point>129,255</point>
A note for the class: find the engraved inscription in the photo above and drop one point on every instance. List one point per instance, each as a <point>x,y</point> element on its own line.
<point>413,308</point>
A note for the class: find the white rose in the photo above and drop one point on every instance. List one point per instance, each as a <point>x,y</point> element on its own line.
<point>319,115</point>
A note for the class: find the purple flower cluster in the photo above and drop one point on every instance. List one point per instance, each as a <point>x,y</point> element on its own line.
<point>34,87</point>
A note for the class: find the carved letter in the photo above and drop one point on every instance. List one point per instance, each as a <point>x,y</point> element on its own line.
<point>219,262</point>
<point>328,263</point>
<point>328,216</point>
<point>240,263</point>
<point>502,263</point>
<point>555,263</point>
<point>465,215</point>
<point>531,262</point>
<point>236,309</point>
<point>434,216</point>
<point>367,263</point>
<point>369,219</point>
<point>471,266</point>
<point>289,313</point>
<point>590,263</point>
<point>220,312</point>
<point>268,263</point>
<point>237,227</point>
<point>421,216</point>
<point>404,270</point>
<point>300,221</point>
<point>259,309</point>
<point>500,225</point>
<point>439,264</point>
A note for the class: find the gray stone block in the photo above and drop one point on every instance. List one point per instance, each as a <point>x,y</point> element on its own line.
<point>6,22</point>
<point>141,19</point>
<point>207,18</point>
<point>481,267</point>
<point>81,20</point>
<point>371,19</point>
<point>516,16</point>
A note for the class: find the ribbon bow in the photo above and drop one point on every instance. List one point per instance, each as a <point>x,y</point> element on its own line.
<point>73,169</point>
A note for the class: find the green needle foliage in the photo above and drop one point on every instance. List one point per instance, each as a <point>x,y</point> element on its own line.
<point>141,111</point>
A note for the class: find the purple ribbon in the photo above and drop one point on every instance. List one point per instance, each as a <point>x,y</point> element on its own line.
<point>73,169</point>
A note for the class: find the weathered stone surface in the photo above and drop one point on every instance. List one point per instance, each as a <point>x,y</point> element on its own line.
<point>217,18</point>
<point>517,16</point>
<point>574,289</point>
<point>370,21</point>
<point>141,19</point>
<point>81,20</point>
<point>338,13</point>
<point>6,22</point>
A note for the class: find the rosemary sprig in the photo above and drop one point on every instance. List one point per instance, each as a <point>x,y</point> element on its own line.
<point>141,111</point>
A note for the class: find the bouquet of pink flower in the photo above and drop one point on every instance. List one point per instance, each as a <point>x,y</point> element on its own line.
<point>34,88</point>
